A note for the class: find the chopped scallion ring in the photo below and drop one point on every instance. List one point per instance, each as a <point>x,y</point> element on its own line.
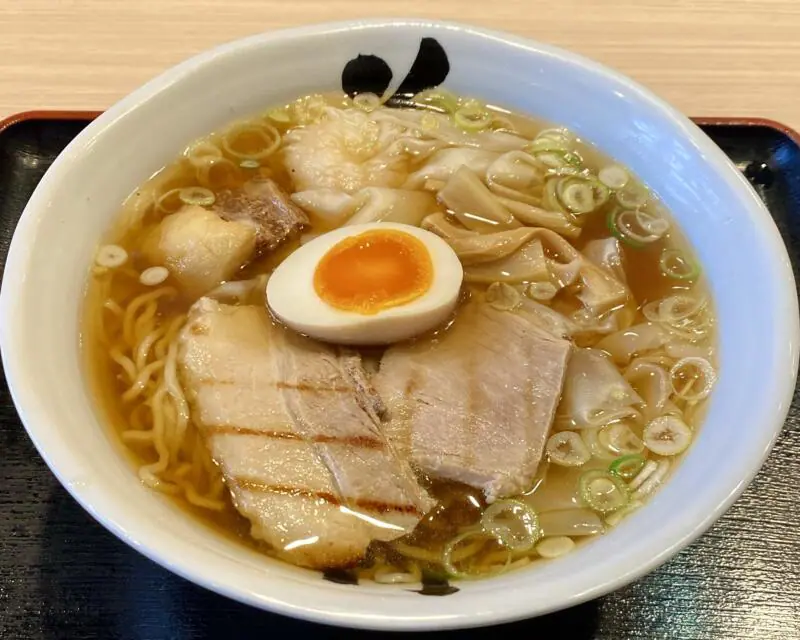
<point>632,197</point>
<point>636,228</point>
<point>619,438</point>
<point>653,480</point>
<point>602,491</point>
<point>581,195</point>
<point>567,448</point>
<point>111,256</point>
<point>460,548</point>
<point>613,176</point>
<point>367,101</point>
<point>561,136</point>
<point>675,264</point>
<point>692,378</point>
<point>249,164</point>
<point>557,158</point>
<point>541,291</point>
<point>547,144</point>
<point>667,435</point>
<point>472,118</point>
<point>429,122</point>
<point>153,276</point>
<point>652,224</point>
<point>648,470</point>
<point>170,202</point>
<point>674,310</point>
<point>555,547</point>
<point>615,518</point>
<point>279,115</point>
<point>197,196</point>
<point>197,153</point>
<point>251,141</point>
<point>438,99</point>
<point>502,296</point>
<point>513,523</point>
<point>626,467</point>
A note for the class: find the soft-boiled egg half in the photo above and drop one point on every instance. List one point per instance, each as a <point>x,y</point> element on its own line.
<point>367,284</point>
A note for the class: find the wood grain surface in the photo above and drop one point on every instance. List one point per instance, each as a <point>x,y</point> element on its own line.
<point>707,57</point>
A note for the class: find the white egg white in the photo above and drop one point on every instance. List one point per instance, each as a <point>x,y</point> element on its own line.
<point>293,300</point>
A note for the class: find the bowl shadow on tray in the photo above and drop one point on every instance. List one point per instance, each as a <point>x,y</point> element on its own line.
<point>142,601</point>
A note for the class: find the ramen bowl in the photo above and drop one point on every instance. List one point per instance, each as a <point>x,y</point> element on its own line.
<point>743,257</point>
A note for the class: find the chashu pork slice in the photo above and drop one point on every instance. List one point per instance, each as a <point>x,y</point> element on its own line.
<point>265,205</point>
<point>476,406</point>
<point>296,435</point>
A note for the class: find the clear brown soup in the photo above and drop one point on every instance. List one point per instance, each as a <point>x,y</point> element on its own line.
<point>121,312</point>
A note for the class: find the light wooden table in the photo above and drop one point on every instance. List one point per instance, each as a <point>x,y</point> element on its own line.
<point>707,57</point>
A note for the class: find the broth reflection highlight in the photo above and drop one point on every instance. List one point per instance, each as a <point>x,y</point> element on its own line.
<point>551,396</point>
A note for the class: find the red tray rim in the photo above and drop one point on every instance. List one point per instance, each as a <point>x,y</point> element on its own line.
<point>742,121</point>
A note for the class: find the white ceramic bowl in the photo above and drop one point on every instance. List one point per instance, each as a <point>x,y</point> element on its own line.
<point>742,253</point>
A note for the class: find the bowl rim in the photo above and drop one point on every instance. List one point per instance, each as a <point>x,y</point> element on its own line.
<point>26,400</point>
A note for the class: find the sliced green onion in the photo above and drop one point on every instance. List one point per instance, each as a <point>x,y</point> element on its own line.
<point>567,448</point>
<point>636,228</point>
<point>111,256</point>
<point>472,118</point>
<point>429,122</point>
<point>249,164</point>
<point>652,481</point>
<point>513,523</point>
<point>685,375</point>
<point>546,144</point>
<point>153,276</point>
<point>279,115</point>
<point>667,436</point>
<point>550,198</point>
<point>170,201</point>
<point>626,467</point>
<point>367,101</point>
<point>197,196</point>
<point>581,195</point>
<point>563,172</point>
<point>452,554</point>
<point>560,135</point>
<point>197,153</point>
<point>675,264</point>
<point>591,439</point>
<point>650,467</point>
<point>602,491</point>
<point>652,224</point>
<point>249,141</point>
<point>501,123</point>
<point>438,99</point>
<point>217,173</point>
<point>620,439</point>
<point>613,176</point>
<point>555,547</point>
<point>502,296</point>
<point>677,310</point>
<point>541,291</point>
<point>612,520</point>
<point>557,158</point>
<point>632,197</point>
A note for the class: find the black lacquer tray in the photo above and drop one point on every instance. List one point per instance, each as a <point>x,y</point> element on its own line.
<point>63,576</point>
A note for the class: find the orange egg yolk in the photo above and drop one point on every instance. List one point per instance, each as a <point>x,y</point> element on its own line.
<point>373,271</point>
